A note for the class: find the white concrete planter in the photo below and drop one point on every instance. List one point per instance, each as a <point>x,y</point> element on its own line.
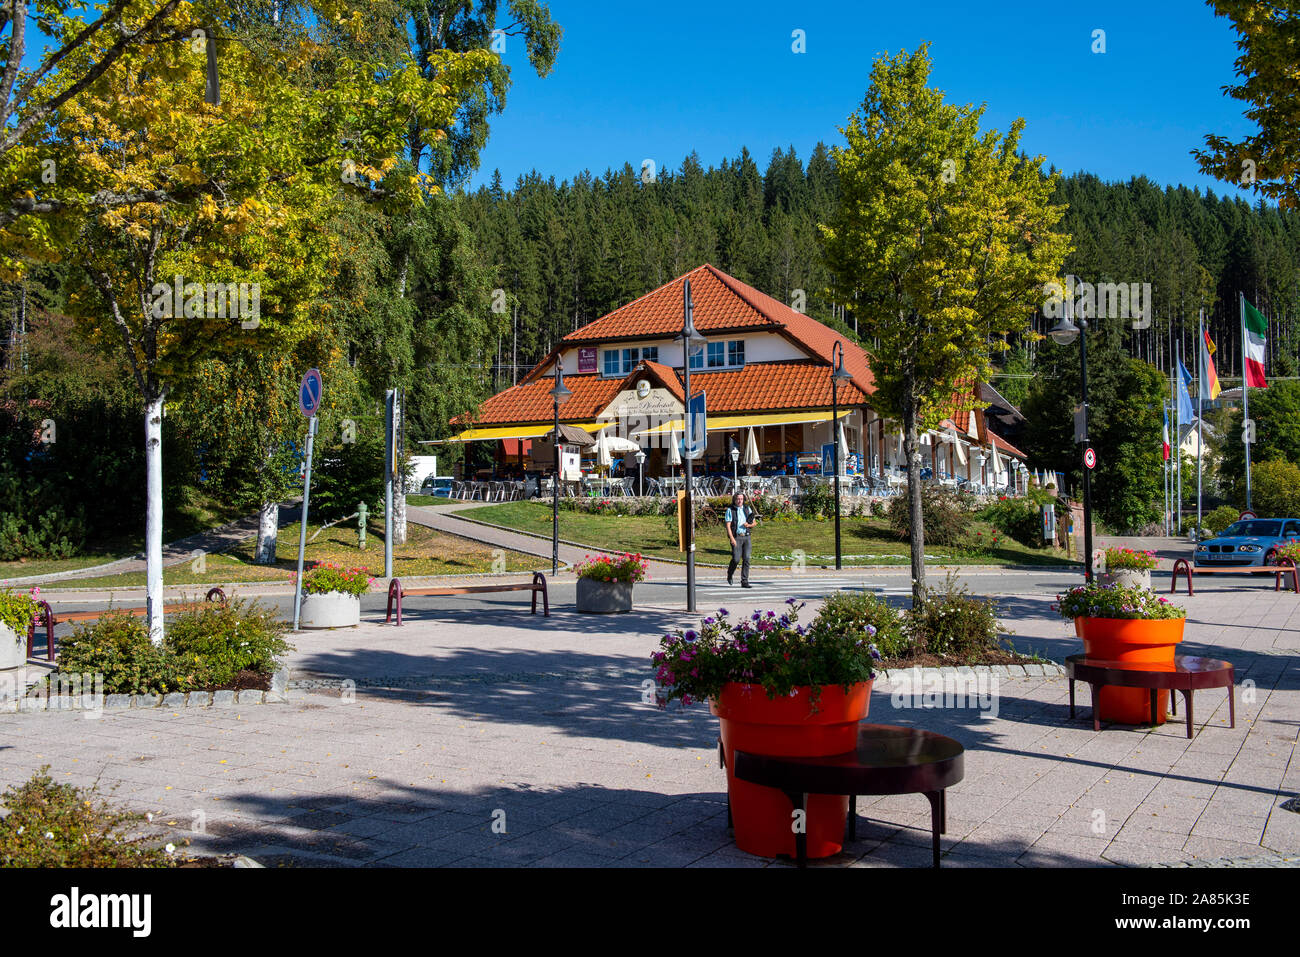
<point>604,598</point>
<point>13,648</point>
<point>330,609</point>
<point>1131,577</point>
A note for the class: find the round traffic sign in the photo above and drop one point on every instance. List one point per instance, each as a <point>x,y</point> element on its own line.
<point>1090,458</point>
<point>310,391</point>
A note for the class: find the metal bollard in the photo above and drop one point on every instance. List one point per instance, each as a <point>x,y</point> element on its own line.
<point>361,525</point>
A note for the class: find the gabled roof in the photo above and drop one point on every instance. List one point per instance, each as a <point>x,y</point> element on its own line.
<point>666,376</point>
<point>792,384</point>
<point>721,304</point>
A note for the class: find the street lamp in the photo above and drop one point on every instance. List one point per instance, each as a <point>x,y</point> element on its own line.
<point>560,393</point>
<point>980,459</point>
<point>1063,333</point>
<point>640,474</point>
<point>690,341</point>
<point>839,374</point>
<point>735,468</point>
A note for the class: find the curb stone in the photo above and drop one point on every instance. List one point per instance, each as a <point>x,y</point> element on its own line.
<point>176,700</point>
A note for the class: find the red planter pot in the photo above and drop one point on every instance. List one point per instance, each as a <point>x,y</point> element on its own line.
<point>786,727</point>
<point>1150,643</point>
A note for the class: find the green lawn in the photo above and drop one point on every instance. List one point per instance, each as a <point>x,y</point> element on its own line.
<point>426,552</point>
<point>863,541</point>
<point>49,566</point>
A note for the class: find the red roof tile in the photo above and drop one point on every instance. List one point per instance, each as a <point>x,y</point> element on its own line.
<point>530,402</point>
<point>768,386</point>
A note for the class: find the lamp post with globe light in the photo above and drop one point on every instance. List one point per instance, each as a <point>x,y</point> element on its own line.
<point>640,473</point>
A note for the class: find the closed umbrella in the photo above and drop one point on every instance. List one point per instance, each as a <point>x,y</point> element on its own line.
<point>603,460</point>
<point>960,449</point>
<point>751,451</point>
<point>674,452</point>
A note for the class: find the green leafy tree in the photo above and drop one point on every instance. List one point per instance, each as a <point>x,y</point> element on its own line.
<point>1268,161</point>
<point>945,237</point>
<point>1276,414</point>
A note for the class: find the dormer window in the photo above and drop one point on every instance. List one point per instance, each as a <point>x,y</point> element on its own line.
<point>719,355</point>
<point>616,363</point>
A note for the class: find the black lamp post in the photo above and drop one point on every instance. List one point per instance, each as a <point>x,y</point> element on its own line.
<point>560,393</point>
<point>690,339</point>
<point>1063,333</point>
<point>839,374</point>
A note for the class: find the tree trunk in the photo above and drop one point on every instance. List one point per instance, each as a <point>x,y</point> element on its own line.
<point>153,413</point>
<point>399,475</point>
<point>915,521</point>
<point>268,530</point>
<point>399,511</point>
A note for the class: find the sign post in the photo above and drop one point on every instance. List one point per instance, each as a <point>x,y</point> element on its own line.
<point>310,391</point>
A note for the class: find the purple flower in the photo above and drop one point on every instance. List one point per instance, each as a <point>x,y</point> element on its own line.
<point>722,612</point>
<point>871,630</point>
<point>690,635</point>
<point>790,601</point>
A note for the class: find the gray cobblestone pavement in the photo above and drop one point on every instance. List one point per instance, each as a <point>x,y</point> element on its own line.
<point>480,736</point>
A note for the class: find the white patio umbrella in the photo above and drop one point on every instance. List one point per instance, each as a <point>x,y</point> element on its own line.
<point>751,450</point>
<point>999,469</point>
<point>603,460</point>
<point>674,453</point>
<point>959,448</point>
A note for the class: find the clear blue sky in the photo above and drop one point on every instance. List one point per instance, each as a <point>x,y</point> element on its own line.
<point>655,80</point>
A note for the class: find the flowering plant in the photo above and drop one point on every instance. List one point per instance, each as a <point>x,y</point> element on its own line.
<point>1290,550</point>
<point>765,649</point>
<point>327,576</point>
<point>1120,558</point>
<point>1095,600</point>
<point>617,568</point>
<point>17,611</point>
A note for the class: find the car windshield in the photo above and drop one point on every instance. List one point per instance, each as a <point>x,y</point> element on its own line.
<point>1254,528</point>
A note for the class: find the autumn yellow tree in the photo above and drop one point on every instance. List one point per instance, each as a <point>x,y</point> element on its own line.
<point>194,227</point>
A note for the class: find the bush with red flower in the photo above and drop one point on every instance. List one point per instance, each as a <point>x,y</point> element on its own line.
<point>327,576</point>
<point>627,567</point>
<point>1120,559</point>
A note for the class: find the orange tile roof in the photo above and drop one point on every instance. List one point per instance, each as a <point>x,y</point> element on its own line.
<point>530,402</point>
<point>721,303</point>
<point>666,375</point>
<point>769,386</point>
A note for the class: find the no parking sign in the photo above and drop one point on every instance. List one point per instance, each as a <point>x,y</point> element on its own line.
<point>310,391</point>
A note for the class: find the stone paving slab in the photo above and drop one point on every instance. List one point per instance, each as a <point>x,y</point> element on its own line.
<point>544,720</point>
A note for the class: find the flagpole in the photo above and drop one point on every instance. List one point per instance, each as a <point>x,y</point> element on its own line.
<point>1200,414</point>
<point>1178,441</point>
<point>1245,396</point>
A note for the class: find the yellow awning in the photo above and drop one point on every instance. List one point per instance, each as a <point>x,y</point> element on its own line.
<point>725,423</point>
<point>497,433</point>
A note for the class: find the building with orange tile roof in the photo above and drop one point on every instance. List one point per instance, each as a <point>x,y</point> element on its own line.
<point>764,367</point>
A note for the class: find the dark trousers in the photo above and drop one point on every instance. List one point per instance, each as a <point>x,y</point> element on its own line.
<point>740,556</point>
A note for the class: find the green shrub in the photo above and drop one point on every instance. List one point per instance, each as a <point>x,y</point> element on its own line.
<point>1018,518</point>
<point>16,611</point>
<point>326,577</point>
<point>946,520</point>
<point>852,613</point>
<point>58,825</point>
<point>205,649</point>
<point>218,641</point>
<point>954,623</point>
<point>817,501</point>
<point>1275,490</point>
<point>118,647</point>
<point>1220,519</point>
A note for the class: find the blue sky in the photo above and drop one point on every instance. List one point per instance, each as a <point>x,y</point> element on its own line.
<point>637,81</point>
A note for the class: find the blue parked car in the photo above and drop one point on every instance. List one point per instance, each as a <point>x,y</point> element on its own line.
<point>438,487</point>
<point>1252,541</point>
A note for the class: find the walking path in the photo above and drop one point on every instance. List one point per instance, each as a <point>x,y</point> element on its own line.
<point>478,735</point>
<point>211,542</point>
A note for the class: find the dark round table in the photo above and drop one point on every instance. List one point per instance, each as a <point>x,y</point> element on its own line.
<point>888,760</point>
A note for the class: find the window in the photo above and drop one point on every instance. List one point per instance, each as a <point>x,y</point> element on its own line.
<point>610,362</point>
<point>736,352</point>
<point>717,355</point>
<point>630,357</point>
<point>650,353</point>
<point>619,362</point>
<point>697,358</point>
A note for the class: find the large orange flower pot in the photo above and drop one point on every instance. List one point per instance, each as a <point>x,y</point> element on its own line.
<point>787,727</point>
<point>1148,642</point>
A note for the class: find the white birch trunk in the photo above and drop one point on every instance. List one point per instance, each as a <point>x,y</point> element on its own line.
<point>268,531</point>
<point>153,518</point>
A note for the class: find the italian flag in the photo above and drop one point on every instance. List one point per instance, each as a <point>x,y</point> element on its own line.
<point>1255,329</point>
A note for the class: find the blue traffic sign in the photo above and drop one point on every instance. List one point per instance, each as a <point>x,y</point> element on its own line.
<point>310,391</point>
<point>696,426</point>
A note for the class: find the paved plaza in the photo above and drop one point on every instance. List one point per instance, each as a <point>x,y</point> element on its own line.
<point>478,735</point>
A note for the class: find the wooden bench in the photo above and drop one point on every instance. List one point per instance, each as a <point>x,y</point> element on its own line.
<point>52,618</point>
<point>889,760</point>
<point>1189,674</point>
<point>1188,567</point>
<point>537,586</point>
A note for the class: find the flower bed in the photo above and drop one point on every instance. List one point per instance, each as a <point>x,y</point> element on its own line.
<point>1126,559</point>
<point>328,577</point>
